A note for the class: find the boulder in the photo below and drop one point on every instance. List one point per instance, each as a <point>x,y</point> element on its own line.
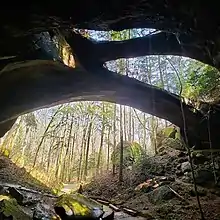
<point>204,177</point>
<point>173,143</point>
<point>160,194</point>
<point>10,209</point>
<point>185,167</point>
<point>43,212</point>
<point>199,158</point>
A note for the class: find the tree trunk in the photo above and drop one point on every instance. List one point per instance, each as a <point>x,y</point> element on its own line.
<point>81,154</point>
<point>66,158</point>
<point>101,139</point>
<point>144,132</point>
<point>49,155</point>
<point>125,123</point>
<point>114,139</point>
<point>121,148</point>
<point>130,125</point>
<point>87,149</point>
<point>108,148</point>
<point>133,128</point>
<point>72,157</point>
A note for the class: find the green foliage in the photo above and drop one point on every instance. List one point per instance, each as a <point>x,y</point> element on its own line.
<point>5,152</point>
<point>168,132</point>
<point>201,79</point>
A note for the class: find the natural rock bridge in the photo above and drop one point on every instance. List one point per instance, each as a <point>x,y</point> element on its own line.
<point>189,29</point>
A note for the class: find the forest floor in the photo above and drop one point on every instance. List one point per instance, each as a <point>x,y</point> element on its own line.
<point>161,187</point>
<point>10,173</point>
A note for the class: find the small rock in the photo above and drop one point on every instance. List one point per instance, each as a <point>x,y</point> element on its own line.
<point>186,179</point>
<point>178,166</point>
<point>179,173</point>
<point>185,166</point>
<point>199,158</point>
<point>171,178</point>
<point>161,149</point>
<point>206,163</point>
<point>217,167</point>
<point>163,178</point>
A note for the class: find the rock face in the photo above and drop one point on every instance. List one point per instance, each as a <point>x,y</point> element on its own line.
<point>169,138</point>
<point>131,153</point>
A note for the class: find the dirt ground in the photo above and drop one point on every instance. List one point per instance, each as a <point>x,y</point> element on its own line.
<point>12,174</point>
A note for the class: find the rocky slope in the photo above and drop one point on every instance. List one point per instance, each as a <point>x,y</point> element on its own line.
<point>161,187</point>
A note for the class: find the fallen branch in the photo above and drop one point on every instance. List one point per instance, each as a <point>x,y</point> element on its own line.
<point>130,211</point>
<point>104,202</point>
<point>115,208</point>
<point>178,195</point>
<point>28,190</point>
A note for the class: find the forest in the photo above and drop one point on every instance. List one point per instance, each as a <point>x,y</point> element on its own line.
<point>103,146</point>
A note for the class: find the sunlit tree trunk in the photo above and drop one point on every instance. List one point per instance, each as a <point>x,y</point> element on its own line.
<point>59,169</point>
<point>130,125</point>
<point>72,156</point>
<point>121,148</point>
<point>94,153</point>
<point>87,149</point>
<point>66,157</point>
<point>58,155</point>
<point>101,140</point>
<point>125,123</point>
<point>108,148</point>
<point>81,154</point>
<point>114,137</point>
<point>49,155</point>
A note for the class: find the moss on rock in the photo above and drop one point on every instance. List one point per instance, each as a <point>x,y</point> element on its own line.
<point>131,153</point>
<point>79,204</point>
<point>9,207</point>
